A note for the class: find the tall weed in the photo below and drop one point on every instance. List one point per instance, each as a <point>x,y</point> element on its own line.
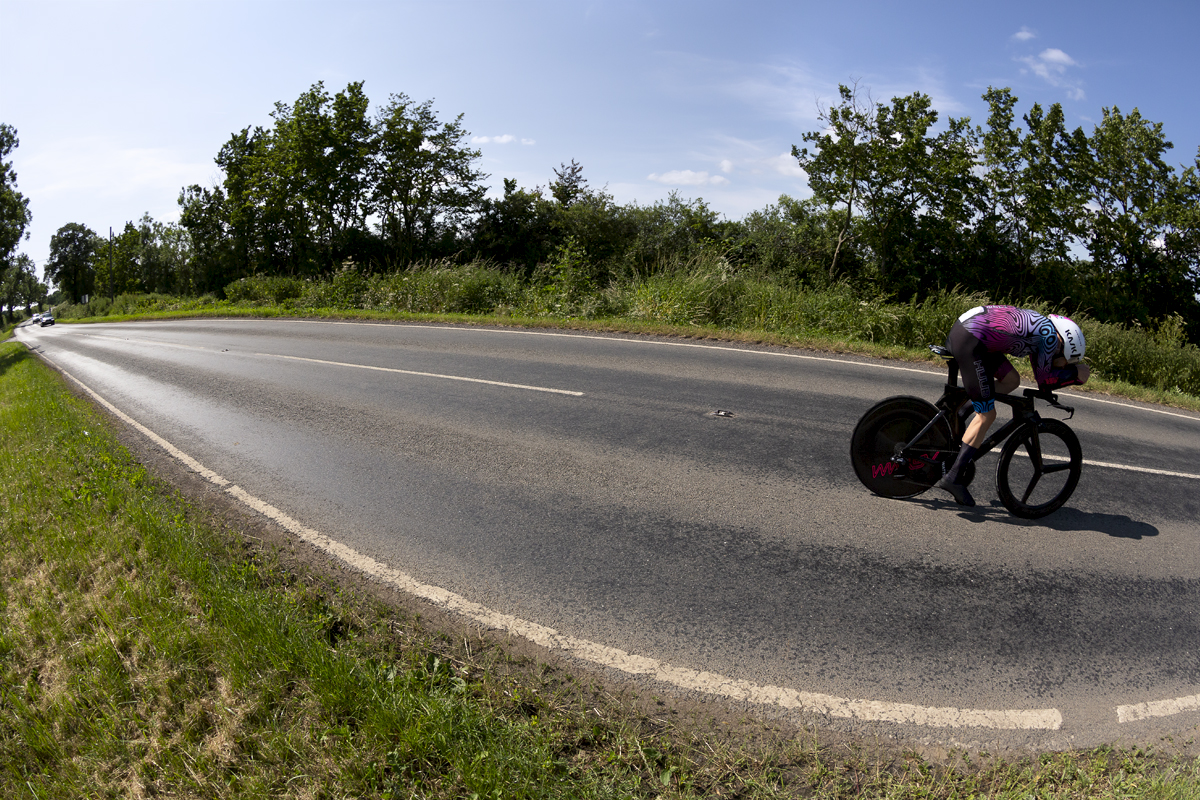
<point>264,289</point>
<point>444,289</point>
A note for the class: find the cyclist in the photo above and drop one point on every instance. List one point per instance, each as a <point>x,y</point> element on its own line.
<point>979,340</point>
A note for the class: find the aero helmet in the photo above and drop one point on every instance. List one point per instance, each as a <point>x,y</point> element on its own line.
<point>1071,337</point>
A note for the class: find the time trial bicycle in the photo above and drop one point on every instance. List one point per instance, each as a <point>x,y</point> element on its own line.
<point>903,445</point>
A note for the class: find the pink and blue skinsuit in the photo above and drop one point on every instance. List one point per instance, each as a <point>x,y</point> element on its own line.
<point>982,337</point>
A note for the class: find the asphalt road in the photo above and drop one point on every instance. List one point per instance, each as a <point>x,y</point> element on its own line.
<point>581,489</point>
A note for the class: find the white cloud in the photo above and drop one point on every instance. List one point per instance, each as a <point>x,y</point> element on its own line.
<point>1052,55</point>
<point>686,177</point>
<point>504,139</point>
<point>786,165</point>
<point>528,141</point>
<point>1052,66</point>
<point>726,166</point>
<point>1024,35</point>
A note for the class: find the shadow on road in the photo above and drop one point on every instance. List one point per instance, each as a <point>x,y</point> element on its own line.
<point>1119,526</point>
<point>1116,525</point>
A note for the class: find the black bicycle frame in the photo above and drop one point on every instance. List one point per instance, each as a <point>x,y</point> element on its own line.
<point>1023,412</point>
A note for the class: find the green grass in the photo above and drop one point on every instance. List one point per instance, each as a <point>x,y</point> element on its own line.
<point>141,652</point>
<point>146,650</point>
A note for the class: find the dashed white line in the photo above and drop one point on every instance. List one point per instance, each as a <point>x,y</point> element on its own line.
<point>1126,467</point>
<point>1158,708</point>
<point>424,374</point>
<point>349,365</point>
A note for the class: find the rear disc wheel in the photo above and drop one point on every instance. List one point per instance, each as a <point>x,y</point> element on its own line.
<point>880,435</point>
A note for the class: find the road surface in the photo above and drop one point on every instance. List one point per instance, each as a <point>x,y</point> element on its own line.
<point>584,491</point>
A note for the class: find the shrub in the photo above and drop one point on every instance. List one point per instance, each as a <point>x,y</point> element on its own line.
<point>1157,359</point>
<point>443,289</point>
<point>264,289</point>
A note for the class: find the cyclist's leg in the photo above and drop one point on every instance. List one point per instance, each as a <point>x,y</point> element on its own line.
<point>1002,378</point>
<point>977,368</point>
<point>1005,376</point>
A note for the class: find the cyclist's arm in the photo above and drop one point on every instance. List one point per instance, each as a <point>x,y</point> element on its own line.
<point>1058,377</point>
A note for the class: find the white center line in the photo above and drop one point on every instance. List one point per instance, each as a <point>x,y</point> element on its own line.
<point>1126,467</point>
<point>424,374</point>
<point>179,346</point>
<point>661,343</point>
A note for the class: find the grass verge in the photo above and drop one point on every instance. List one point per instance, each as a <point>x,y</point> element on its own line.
<point>145,650</point>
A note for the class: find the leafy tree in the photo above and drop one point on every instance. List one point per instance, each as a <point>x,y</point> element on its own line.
<point>516,229</point>
<point>72,250</point>
<point>802,239</point>
<point>915,189</point>
<point>14,207</point>
<point>1031,198</point>
<point>568,183</point>
<point>839,171</point>
<point>120,263</point>
<point>316,161</point>
<point>19,286</point>
<point>596,225</point>
<point>204,216</point>
<point>1141,217</point>
<point>165,259</point>
<point>672,232</point>
<point>424,179</point>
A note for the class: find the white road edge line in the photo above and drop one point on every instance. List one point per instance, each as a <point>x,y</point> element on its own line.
<point>1158,708</point>
<point>601,655</point>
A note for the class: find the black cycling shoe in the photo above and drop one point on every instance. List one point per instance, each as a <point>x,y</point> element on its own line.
<point>961,495</point>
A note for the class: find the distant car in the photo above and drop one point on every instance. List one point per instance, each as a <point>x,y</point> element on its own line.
<point>35,319</point>
<point>47,319</point>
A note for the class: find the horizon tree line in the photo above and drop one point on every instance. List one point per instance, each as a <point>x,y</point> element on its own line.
<point>901,206</point>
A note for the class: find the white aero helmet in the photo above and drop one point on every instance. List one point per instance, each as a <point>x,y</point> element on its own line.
<point>1071,337</point>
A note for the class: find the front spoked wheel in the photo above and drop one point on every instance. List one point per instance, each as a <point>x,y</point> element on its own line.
<point>1039,468</point>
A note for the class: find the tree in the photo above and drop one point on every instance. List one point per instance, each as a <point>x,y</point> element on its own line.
<point>1141,217</point>
<point>424,178</point>
<point>119,263</point>
<point>515,229</point>
<point>568,184</point>
<point>839,170</point>
<point>914,190</point>
<point>204,218</point>
<point>802,239</point>
<point>1031,200</point>
<point>164,257</point>
<point>14,207</point>
<point>19,286</point>
<point>316,160</point>
<point>72,250</point>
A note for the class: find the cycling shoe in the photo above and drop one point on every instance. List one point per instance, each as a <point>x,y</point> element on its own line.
<point>961,495</point>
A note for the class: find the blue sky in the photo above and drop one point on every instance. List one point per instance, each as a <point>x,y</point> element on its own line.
<point>120,104</point>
